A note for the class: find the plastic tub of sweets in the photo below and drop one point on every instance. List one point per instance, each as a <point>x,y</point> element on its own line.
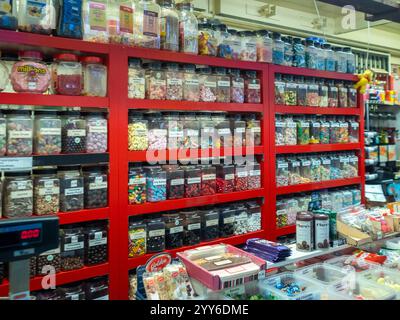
<point>289,286</point>
<point>384,277</point>
<point>352,263</point>
<point>324,275</point>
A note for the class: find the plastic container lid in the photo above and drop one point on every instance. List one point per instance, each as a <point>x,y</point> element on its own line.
<point>235,72</point>
<point>69,168</point>
<point>309,42</point>
<point>220,70</point>
<point>66,57</point>
<point>171,66</point>
<point>11,56</point>
<point>323,274</point>
<point>135,62</point>
<point>263,33</point>
<point>206,70</point>
<point>45,171</point>
<point>18,112</point>
<point>31,54</point>
<point>233,32</point>
<point>297,40</point>
<point>352,263</point>
<point>70,113</point>
<point>276,36</point>
<point>189,67</point>
<point>46,113</point>
<point>251,73</point>
<point>17,173</point>
<point>92,59</point>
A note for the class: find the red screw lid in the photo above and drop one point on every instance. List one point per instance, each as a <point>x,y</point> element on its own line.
<point>66,57</point>
<point>31,54</point>
<point>91,59</point>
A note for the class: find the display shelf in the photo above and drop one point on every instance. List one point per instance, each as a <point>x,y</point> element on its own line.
<point>313,73</point>
<point>285,231</point>
<point>317,148</point>
<point>317,186</point>
<point>194,106</point>
<point>153,207</point>
<point>70,159</point>
<point>234,240</point>
<point>317,110</point>
<point>63,277</point>
<point>52,100</point>
<point>167,155</point>
<point>300,255</point>
<point>83,215</point>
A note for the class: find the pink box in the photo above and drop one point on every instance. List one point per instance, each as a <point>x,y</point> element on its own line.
<point>228,277</point>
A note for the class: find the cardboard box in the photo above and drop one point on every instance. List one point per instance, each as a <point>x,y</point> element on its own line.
<point>353,236</point>
<point>383,154</point>
<point>392,153</point>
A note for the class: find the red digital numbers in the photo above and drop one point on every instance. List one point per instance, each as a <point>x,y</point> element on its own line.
<point>30,234</point>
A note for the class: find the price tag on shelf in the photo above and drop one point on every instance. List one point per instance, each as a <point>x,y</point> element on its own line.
<point>18,163</point>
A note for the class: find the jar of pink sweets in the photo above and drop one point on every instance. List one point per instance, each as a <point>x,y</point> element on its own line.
<point>30,75</point>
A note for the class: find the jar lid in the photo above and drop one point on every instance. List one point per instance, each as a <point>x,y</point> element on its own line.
<point>347,49</point>
<point>235,72</point>
<point>92,59</point>
<point>276,35</point>
<point>66,57</point>
<point>251,73</point>
<point>326,46</point>
<point>154,65</point>
<point>223,27</point>
<point>171,66</point>
<point>317,45</point>
<point>96,168</point>
<point>297,40</point>
<point>206,70</point>
<point>135,62</point>
<point>46,113</point>
<point>262,33</point>
<point>45,171</point>
<point>94,113</point>
<point>189,67</point>
<point>220,70</point>
<point>135,113</point>
<point>69,168</point>
<point>337,49</point>
<point>10,56</point>
<point>17,173</point>
<point>31,54</point>
<point>18,112</point>
<point>70,113</point>
<point>309,42</point>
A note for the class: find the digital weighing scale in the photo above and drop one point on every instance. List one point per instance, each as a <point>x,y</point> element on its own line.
<point>21,239</point>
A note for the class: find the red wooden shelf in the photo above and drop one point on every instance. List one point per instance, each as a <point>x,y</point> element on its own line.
<point>313,73</point>
<point>51,100</point>
<point>317,148</point>
<point>43,41</point>
<point>63,277</point>
<point>317,110</point>
<point>83,215</point>
<point>190,105</point>
<point>234,240</point>
<point>193,202</point>
<point>285,231</point>
<point>317,186</point>
<point>160,155</point>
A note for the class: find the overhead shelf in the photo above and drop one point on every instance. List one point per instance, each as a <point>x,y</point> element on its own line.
<point>317,148</point>
<point>317,110</point>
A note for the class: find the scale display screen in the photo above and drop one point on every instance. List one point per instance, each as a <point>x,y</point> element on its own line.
<point>23,235</point>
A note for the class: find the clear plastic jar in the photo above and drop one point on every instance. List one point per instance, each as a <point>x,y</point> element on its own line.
<point>226,222</point>
<point>191,131</point>
<point>225,178</point>
<point>96,244</point>
<point>333,95</point>
<point>46,192</point>
<point>94,77</point>
<point>95,187</point>
<point>209,224</point>
<point>155,236</point>
<point>343,95</point>
<point>37,16</point>
<point>30,74</point>
<point>192,181</point>
<point>3,135</point>
<point>323,94</point>
<point>344,165</point>
<point>252,88</point>
<point>236,44</point>
<point>303,131</point>
<point>240,225</point>
<point>315,131</point>
<point>334,132</point>
<point>299,54</point>
<point>288,51</point>
<point>137,192</point>
<point>156,184</point>
<point>330,63</point>
<point>282,172</point>
<point>278,49</point>
<point>174,81</point>
<point>315,169</point>
<point>353,166</point>
<point>191,228</point>
<point>253,131</point>
<point>281,214</point>
<point>238,128</point>
<point>169,20</point>
<point>191,84</point>
<point>320,56</point>
<point>291,91</point>
<point>175,182</point>
<point>264,46</point>
<point>324,136</point>
<point>137,236</point>
<point>146,24</point>
<point>312,93</point>
<point>208,43</point>
<point>97,289</point>
<point>351,60</point>
<point>354,131</point>
<point>208,85</point>
<point>70,19</point>
<point>280,126</point>
<point>241,178</point>
<point>73,132</point>
<point>208,180</point>
<point>254,179</point>
<point>96,132</point>
<point>254,216</point>
<point>188,29</point>
<point>17,195</point>
<point>343,131</point>
<point>67,73</point>
<point>249,46</point>
<point>336,172</point>
<point>173,231</point>
<point>72,248</point>
<point>237,86</point>
<point>120,22</point>
<point>352,96</point>
<point>290,132</point>
<point>341,57</point>
<point>136,80</point>
<point>223,85</point>
<point>294,171</point>
<point>175,130</point>
<point>302,89</point>
<point>51,258</point>
<point>71,189</point>
<point>280,87</point>
<point>137,132</point>
<point>8,16</point>
<point>19,133</point>
<point>207,131</point>
<point>224,43</point>
<point>156,81</point>
<point>157,132</point>
<point>325,169</point>
<point>224,138</point>
<point>311,54</point>
<point>305,170</point>
<point>71,292</point>
<point>95,16</point>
